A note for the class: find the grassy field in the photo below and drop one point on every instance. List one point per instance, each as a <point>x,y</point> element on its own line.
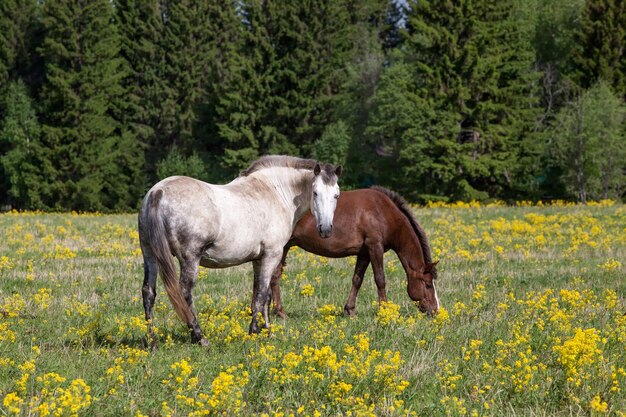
<point>532,324</point>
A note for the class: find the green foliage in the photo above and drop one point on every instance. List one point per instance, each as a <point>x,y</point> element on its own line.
<point>286,82</point>
<point>20,137</point>
<point>437,100</point>
<point>334,144</point>
<point>599,45</point>
<point>175,163</point>
<point>402,127</point>
<point>477,58</point>
<point>141,29</point>
<point>590,144</point>
<point>18,36</point>
<point>93,159</point>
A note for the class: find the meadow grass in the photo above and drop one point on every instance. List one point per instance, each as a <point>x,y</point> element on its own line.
<point>532,324</point>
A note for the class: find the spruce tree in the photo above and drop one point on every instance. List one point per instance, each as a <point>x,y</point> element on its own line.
<point>223,68</point>
<point>141,29</point>
<point>599,53</point>
<point>473,60</point>
<point>20,162</point>
<point>403,124</point>
<point>94,161</point>
<point>19,30</point>
<point>177,53</point>
<point>287,80</point>
<point>371,32</point>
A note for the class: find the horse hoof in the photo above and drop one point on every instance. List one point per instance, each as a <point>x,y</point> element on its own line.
<point>150,343</point>
<point>195,338</point>
<point>348,311</point>
<point>280,313</point>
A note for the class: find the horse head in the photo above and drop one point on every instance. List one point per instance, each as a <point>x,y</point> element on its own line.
<point>421,288</point>
<point>324,195</point>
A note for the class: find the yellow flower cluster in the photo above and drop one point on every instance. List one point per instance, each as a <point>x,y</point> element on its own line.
<point>59,399</point>
<point>307,290</point>
<point>579,353</point>
<point>6,263</point>
<point>388,313</point>
<point>43,298</point>
<point>547,336</point>
<point>572,232</point>
<point>12,306</point>
<point>356,378</point>
<point>225,394</point>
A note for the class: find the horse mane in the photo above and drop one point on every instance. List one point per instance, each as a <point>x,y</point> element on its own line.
<point>270,161</point>
<point>403,206</point>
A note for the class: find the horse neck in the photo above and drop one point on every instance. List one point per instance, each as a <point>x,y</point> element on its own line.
<point>408,248</point>
<point>293,187</point>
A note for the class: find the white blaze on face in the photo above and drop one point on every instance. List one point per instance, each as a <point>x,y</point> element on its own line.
<point>436,298</point>
<point>323,204</point>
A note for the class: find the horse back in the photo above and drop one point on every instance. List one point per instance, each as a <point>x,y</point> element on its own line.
<point>187,207</point>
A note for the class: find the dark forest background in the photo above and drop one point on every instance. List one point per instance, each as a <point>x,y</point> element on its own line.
<point>438,100</point>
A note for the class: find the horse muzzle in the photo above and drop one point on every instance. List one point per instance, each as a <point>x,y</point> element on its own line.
<point>325,230</point>
<point>429,311</point>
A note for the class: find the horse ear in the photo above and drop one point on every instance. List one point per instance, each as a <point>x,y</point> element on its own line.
<point>338,170</point>
<point>317,169</point>
<point>430,266</point>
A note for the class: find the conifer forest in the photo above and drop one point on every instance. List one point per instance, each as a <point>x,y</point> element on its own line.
<point>439,100</point>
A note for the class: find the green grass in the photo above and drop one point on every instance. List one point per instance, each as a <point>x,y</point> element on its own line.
<point>532,324</point>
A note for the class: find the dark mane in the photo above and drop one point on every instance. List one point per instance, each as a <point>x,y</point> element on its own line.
<point>401,203</point>
<point>270,161</point>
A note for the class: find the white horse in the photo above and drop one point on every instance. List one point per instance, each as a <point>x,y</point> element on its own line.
<point>217,226</point>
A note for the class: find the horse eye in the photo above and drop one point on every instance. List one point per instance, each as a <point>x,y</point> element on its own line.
<point>336,196</point>
<point>314,194</point>
<point>429,286</point>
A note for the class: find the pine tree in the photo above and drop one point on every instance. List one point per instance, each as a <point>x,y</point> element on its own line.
<point>95,161</point>
<point>226,65</point>
<point>556,21</point>
<point>390,35</point>
<point>176,52</point>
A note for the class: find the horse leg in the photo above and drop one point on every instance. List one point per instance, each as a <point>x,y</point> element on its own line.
<point>278,272</point>
<point>263,269</point>
<point>255,285</point>
<point>188,274</point>
<point>148,292</point>
<point>377,254</point>
<point>362,262</point>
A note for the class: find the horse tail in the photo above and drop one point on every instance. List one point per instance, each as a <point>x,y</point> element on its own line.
<point>157,240</point>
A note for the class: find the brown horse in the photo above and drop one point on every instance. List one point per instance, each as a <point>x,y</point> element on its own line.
<point>368,223</point>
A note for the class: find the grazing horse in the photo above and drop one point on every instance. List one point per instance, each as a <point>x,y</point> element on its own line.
<point>368,223</point>
<point>217,226</point>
